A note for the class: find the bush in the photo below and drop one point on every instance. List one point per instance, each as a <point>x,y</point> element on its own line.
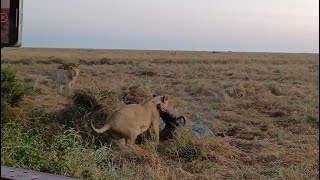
<point>12,91</point>
<point>83,104</point>
<point>12,94</point>
<point>78,115</point>
<point>84,100</point>
<point>184,148</point>
<point>66,155</point>
<point>20,149</point>
<point>133,95</point>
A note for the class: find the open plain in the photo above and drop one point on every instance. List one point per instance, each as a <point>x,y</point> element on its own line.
<point>266,103</point>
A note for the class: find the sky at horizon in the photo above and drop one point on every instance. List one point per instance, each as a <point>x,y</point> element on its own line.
<point>204,25</point>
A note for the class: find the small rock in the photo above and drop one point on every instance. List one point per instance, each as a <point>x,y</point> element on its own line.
<point>229,73</point>
<point>201,130</point>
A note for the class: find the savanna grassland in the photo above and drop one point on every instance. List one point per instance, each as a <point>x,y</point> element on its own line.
<point>266,103</point>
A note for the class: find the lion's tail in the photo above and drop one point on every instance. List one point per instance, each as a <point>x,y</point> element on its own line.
<point>101,130</point>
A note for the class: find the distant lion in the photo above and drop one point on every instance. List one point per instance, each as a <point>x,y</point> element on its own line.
<point>66,78</point>
<point>135,119</point>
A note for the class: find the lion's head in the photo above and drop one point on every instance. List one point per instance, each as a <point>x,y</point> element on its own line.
<point>73,72</point>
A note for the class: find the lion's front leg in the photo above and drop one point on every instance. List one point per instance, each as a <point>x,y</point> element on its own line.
<point>68,88</point>
<point>155,127</point>
<point>60,87</point>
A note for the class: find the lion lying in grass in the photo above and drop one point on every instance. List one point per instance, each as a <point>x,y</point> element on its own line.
<point>135,119</point>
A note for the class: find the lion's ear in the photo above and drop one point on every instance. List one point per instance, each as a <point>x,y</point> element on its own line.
<point>70,67</point>
<point>165,98</point>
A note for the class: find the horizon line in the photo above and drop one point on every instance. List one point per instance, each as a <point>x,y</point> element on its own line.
<point>185,50</point>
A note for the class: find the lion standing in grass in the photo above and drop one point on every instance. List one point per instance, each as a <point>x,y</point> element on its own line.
<point>66,77</point>
<point>135,119</point>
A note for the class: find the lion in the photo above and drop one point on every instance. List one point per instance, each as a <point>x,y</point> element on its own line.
<point>67,78</point>
<point>134,119</point>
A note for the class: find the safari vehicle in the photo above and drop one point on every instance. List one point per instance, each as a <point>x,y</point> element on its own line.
<point>11,23</point>
<point>11,36</point>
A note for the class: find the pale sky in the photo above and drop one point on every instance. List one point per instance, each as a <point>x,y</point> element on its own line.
<point>213,25</point>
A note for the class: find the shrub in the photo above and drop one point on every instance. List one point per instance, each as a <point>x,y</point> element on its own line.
<point>12,92</point>
<point>184,147</point>
<point>20,149</point>
<point>84,100</point>
<point>133,95</point>
<point>84,108</point>
<point>13,105</point>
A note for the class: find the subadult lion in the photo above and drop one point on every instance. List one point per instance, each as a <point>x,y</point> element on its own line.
<point>67,78</point>
<point>135,119</point>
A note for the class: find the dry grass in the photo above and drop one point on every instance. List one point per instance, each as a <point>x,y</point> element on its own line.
<point>267,104</point>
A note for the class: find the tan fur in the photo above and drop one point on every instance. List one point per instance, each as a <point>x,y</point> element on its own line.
<point>135,119</point>
<point>65,77</point>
